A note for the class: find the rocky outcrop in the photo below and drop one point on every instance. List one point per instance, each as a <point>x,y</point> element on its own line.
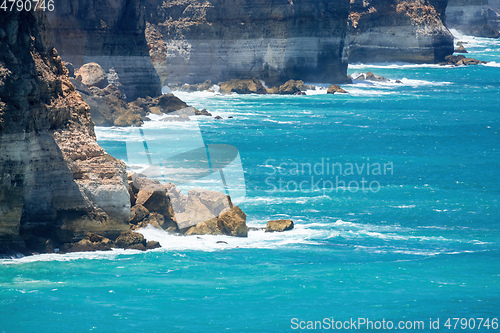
<point>279,225</point>
<point>56,182</point>
<point>110,33</point>
<point>248,86</point>
<point>335,89</point>
<point>461,60</point>
<point>479,18</point>
<point>108,106</point>
<point>272,40</point>
<point>230,223</point>
<point>398,31</point>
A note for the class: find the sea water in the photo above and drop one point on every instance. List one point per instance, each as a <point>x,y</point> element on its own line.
<point>394,191</point>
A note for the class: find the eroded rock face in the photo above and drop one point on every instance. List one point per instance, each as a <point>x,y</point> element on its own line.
<point>474,17</point>
<point>56,182</point>
<point>398,31</point>
<point>110,33</point>
<point>272,40</point>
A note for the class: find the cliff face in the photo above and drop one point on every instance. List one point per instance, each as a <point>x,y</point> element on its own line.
<point>275,40</point>
<point>110,33</point>
<point>398,30</point>
<point>56,182</point>
<point>474,17</point>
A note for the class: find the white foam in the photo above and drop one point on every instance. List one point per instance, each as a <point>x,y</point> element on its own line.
<point>492,64</point>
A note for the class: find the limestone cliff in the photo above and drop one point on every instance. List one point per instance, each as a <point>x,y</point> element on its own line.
<point>474,17</point>
<point>56,182</point>
<point>398,31</point>
<point>110,33</point>
<point>192,41</point>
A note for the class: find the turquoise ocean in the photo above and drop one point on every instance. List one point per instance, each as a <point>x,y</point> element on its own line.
<point>418,243</point>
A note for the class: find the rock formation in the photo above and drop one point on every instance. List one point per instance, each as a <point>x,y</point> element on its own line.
<point>56,182</point>
<point>398,31</point>
<point>110,33</point>
<point>479,18</point>
<point>279,225</point>
<point>272,40</point>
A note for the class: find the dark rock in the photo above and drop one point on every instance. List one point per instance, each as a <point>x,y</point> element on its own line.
<point>110,33</point>
<point>130,240</point>
<point>335,89</point>
<point>71,69</point>
<point>279,225</point>
<point>218,117</point>
<point>221,242</point>
<point>399,81</point>
<point>93,242</point>
<point>230,117</point>
<point>202,112</point>
<point>150,245</point>
<point>138,213</point>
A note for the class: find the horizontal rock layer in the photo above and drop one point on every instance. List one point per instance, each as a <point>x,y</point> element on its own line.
<point>273,40</point>
<point>398,30</point>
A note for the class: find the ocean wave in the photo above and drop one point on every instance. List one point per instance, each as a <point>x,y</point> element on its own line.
<point>387,65</point>
<point>491,64</point>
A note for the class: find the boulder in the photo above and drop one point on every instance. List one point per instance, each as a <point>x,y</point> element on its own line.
<point>202,112</point>
<point>209,227</point>
<point>150,245</point>
<point>461,49</point>
<point>138,213</point>
<point>92,75</point>
<point>291,87</point>
<point>233,223</point>
<point>279,225</point>
<point>245,86</point>
<point>335,89</point>
<point>130,240</point>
